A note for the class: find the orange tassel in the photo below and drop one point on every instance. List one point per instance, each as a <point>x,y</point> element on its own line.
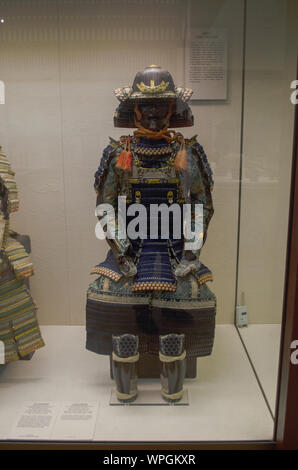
<point>121,159</point>
<point>125,159</point>
<point>180,159</point>
<point>127,165</point>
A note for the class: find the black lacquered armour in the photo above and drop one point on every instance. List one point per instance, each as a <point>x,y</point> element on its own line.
<point>153,83</point>
<point>125,345</point>
<point>172,344</point>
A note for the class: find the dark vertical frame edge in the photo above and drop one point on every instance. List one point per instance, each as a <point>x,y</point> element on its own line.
<point>286,431</point>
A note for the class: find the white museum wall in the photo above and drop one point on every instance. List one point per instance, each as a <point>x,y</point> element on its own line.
<point>60,62</point>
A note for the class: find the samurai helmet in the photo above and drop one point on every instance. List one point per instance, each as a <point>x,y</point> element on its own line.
<point>153,83</point>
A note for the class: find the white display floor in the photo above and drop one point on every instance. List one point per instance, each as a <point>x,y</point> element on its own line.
<point>225,401</point>
<point>263,346</point>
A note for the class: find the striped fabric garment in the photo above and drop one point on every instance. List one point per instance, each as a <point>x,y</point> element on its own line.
<point>19,328</point>
<point>8,180</point>
<point>18,258</point>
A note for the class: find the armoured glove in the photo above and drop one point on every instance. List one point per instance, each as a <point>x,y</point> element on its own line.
<point>127,266</point>
<point>189,263</point>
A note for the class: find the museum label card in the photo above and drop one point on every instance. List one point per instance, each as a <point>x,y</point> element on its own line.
<point>35,421</point>
<point>76,421</point>
<point>206,63</point>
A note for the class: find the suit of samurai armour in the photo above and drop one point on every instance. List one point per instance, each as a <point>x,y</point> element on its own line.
<point>19,330</point>
<point>154,302</point>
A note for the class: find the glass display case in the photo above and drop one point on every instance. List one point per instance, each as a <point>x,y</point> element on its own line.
<point>59,64</point>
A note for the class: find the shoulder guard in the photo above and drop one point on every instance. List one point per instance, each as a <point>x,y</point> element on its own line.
<point>107,155</point>
<point>18,258</point>
<point>206,172</point>
<point>8,184</point>
<point>202,160</point>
